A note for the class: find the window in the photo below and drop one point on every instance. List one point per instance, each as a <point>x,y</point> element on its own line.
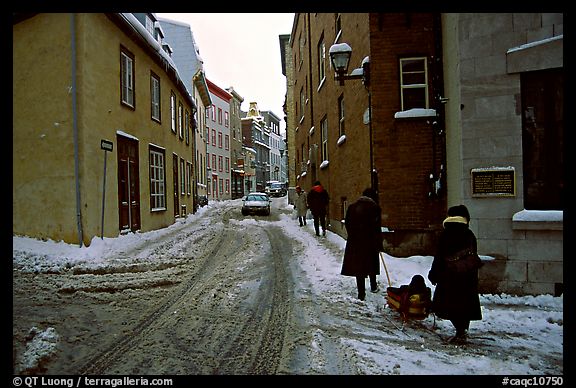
<point>157,179</point>
<point>180,120</point>
<point>220,163</point>
<point>321,60</point>
<point>227,142</point>
<point>227,185</point>
<point>213,110</point>
<point>227,164</point>
<point>337,25</point>
<point>213,162</point>
<point>220,116</point>
<point>155,97</point>
<point>324,138</point>
<point>149,25</point>
<point>341,126</point>
<point>173,111</point>
<point>189,175</point>
<point>302,103</point>
<point>208,160</point>
<point>220,184</point>
<point>187,126</point>
<point>207,135</point>
<point>543,139</point>
<point>226,119</point>
<point>183,177</point>
<point>127,80</point>
<point>214,137</point>
<point>413,83</point>
<point>301,44</point>
<point>219,139</point>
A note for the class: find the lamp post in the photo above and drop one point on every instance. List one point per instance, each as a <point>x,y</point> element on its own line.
<point>340,54</point>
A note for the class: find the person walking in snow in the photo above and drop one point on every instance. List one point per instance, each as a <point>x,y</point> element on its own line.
<point>318,199</point>
<point>301,205</point>
<point>456,294</point>
<point>364,243</point>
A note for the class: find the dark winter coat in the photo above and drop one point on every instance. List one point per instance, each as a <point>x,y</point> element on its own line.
<point>318,200</point>
<point>456,295</point>
<point>364,242</point>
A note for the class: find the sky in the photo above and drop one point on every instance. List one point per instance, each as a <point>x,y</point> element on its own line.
<point>518,334</point>
<point>242,50</point>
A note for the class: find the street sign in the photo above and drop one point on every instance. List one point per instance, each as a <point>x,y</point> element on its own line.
<point>106,145</point>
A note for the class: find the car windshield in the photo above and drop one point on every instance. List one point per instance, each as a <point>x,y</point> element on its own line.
<point>276,185</point>
<point>256,198</point>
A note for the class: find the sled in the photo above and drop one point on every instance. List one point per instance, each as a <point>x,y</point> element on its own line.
<point>412,301</point>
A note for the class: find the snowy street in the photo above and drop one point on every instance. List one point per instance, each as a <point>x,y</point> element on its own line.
<point>220,293</point>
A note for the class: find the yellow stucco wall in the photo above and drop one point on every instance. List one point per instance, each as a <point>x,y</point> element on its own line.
<point>42,137</point>
<point>44,186</point>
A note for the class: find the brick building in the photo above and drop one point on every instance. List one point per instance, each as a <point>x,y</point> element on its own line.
<point>332,122</point>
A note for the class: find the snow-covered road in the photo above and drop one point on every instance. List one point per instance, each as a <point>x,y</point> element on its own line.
<point>219,293</point>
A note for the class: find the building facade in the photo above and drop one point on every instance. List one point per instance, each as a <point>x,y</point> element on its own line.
<point>504,85</point>
<point>102,129</point>
<point>331,138</point>
<point>236,153</point>
<point>218,144</point>
<point>289,115</point>
<point>256,136</point>
<point>464,108</point>
<point>186,54</point>
<point>272,122</point>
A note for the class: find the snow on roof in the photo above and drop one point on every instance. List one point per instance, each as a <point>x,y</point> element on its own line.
<point>141,30</point>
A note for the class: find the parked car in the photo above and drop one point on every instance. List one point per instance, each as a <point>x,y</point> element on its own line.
<point>256,203</point>
<point>276,189</point>
<point>202,200</point>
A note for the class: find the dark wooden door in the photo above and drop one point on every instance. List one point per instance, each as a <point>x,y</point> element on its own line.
<point>128,184</point>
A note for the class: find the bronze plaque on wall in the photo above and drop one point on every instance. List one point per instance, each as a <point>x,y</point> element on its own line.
<point>493,182</point>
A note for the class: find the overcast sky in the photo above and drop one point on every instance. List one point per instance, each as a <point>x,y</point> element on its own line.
<point>242,50</point>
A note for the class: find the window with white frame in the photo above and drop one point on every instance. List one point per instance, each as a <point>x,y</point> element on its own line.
<point>180,120</point>
<point>341,122</point>
<point>413,83</point>
<point>324,138</point>
<point>183,177</point>
<point>157,179</point>
<point>302,103</point>
<point>127,77</point>
<point>321,60</point>
<point>189,176</point>
<point>187,126</point>
<point>173,111</point>
<point>155,97</point>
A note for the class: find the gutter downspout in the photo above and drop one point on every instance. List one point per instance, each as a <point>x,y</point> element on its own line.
<point>75,130</point>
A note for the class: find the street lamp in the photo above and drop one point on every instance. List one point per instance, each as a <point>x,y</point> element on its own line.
<point>340,54</point>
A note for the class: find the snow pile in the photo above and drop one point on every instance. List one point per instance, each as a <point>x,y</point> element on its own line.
<point>40,348</point>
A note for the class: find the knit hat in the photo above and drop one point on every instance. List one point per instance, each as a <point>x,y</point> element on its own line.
<point>459,211</point>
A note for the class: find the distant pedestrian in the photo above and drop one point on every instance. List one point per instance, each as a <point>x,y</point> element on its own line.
<point>456,294</point>
<point>301,205</point>
<point>364,242</point>
<point>318,204</point>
